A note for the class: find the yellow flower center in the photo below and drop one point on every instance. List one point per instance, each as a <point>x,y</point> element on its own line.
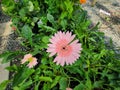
<point>30,59</point>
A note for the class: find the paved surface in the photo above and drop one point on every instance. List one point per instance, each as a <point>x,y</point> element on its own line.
<point>5,30</point>
<point>4,74</point>
<point>2,28</point>
<point>109,24</point>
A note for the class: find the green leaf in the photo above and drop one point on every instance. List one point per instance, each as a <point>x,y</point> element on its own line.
<point>38,71</point>
<point>35,19</point>
<point>30,6</point>
<point>45,39</point>
<point>117,88</point>
<point>75,70</point>
<point>42,46</point>
<point>12,68</point>
<point>22,12</point>
<point>63,83</point>
<point>37,86</point>
<point>4,84</point>
<point>46,86</point>
<point>5,57</point>
<point>25,85</point>
<point>8,56</point>
<point>27,32</point>
<point>50,18</point>
<point>44,61</point>
<point>55,81</point>
<point>98,84</point>
<point>36,77</point>
<point>92,39</point>
<point>46,79</point>
<point>69,7</point>
<point>63,23</point>
<point>22,75</point>
<point>63,15</point>
<point>48,28</point>
<point>103,52</point>
<point>79,87</point>
<point>48,72</point>
<point>8,6</point>
<point>16,88</point>
<point>89,84</point>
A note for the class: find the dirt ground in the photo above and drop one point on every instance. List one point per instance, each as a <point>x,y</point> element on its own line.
<point>107,12</point>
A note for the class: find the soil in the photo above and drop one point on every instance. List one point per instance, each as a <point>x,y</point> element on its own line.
<point>109,24</point>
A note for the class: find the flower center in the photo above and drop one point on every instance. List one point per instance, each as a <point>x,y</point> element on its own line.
<point>63,48</point>
<point>30,59</point>
<point>66,50</point>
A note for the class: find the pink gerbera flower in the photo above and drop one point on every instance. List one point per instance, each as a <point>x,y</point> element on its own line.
<point>69,88</point>
<point>29,58</point>
<point>67,49</point>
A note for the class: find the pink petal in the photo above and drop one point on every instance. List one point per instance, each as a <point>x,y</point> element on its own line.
<point>67,49</point>
<point>69,88</point>
<point>32,63</point>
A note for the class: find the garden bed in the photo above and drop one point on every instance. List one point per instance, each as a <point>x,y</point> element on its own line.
<point>93,65</point>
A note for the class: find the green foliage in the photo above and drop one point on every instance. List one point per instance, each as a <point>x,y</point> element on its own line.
<point>4,84</point>
<point>9,56</point>
<point>36,21</point>
<point>79,87</point>
<point>63,83</point>
<point>21,76</point>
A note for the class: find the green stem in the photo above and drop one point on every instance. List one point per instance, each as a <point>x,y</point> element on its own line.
<point>70,77</point>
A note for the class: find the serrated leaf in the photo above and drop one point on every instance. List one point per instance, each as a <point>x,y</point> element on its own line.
<point>22,75</point>
<point>63,15</point>
<point>49,28</point>
<point>75,70</point>
<point>117,88</point>
<point>16,88</point>
<point>80,87</point>
<point>48,72</point>
<point>8,6</point>
<point>55,81</point>
<point>46,79</point>
<point>63,23</point>
<point>50,18</point>
<point>5,57</point>
<point>4,84</point>
<point>103,52</point>
<point>98,84</point>
<point>30,6</point>
<point>63,83</point>
<point>22,12</point>
<point>43,45</point>
<point>89,84</point>
<point>25,85</point>
<point>44,61</point>
<point>26,32</point>
<point>46,86</point>
<point>69,7</point>
<point>37,86</point>
<point>45,39</point>
<point>12,68</point>
<point>35,19</point>
<point>92,39</point>
<point>8,56</point>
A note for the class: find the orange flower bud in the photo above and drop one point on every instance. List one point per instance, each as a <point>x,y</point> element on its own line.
<point>82,1</point>
<point>13,28</point>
